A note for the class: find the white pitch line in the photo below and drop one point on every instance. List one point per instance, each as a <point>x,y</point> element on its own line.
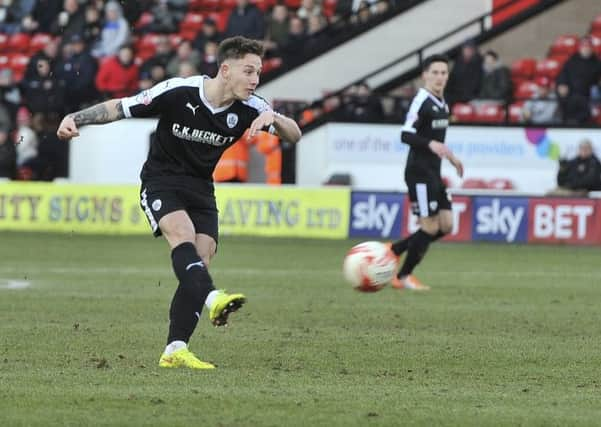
<point>14,284</point>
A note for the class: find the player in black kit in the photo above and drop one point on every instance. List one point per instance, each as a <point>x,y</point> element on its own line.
<point>199,117</point>
<point>424,131</point>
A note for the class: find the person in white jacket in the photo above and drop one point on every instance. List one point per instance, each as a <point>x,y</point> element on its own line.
<point>115,32</point>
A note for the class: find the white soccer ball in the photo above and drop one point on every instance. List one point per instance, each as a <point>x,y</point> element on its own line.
<point>369,266</point>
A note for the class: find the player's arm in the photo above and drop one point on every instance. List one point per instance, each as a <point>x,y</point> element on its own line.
<point>105,112</point>
<point>410,136</point>
<point>284,126</point>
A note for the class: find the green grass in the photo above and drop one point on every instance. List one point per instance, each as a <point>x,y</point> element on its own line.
<point>510,335</point>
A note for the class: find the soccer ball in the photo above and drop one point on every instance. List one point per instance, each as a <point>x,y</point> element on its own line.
<point>369,266</point>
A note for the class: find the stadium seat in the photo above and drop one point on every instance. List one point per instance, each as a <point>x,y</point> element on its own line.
<point>293,4</point>
<point>596,25</point>
<point>329,7</point>
<point>191,22</point>
<point>18,63</point>
<point>566,44</point>
<point>596,41</point>
<point>523,69</point>
<point>147,45</point>
<point>38,41</point>
<point>175,40</point>
<point>19,43</point>
<point>549,67</point>
<point>500,184</point>
<point>271,64</point>
<point>596,114</point>
<point>525,90</point>
<point>4,61</point>
<point>515,112</point>
<point>489,113</point>
<point>474,183</point>
<point>144,19</point>
<point>463,112</point>
<point>220,19</point>
<point>3,42</point>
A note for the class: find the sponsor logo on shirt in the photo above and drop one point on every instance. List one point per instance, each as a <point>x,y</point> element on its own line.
<point>440,124</point>
<point>202,136</point>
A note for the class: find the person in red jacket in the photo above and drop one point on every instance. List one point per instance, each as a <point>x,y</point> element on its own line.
<point>118,75</point>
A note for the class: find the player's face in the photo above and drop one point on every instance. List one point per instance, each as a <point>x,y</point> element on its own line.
<point>436,77</point>
<point>243,75</point>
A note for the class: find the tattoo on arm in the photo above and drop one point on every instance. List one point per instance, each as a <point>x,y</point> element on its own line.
<point>100,113</point>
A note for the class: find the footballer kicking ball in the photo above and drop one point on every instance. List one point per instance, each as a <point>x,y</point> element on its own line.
<point>369,266</point>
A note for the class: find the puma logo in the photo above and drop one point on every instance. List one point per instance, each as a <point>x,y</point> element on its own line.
<point>192,108</point>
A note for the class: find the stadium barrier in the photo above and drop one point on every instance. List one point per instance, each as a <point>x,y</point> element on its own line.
<point>288,211</point>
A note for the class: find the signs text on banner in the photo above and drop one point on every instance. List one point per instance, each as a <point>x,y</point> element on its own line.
<point>81,208</point>
<point>462,220</point>
<point>500,219</point>
<point>283,211</point>
<point>564,220</point>
<point>376,215</point>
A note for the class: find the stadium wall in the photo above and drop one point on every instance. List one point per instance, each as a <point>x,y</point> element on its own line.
<point>288,211</point>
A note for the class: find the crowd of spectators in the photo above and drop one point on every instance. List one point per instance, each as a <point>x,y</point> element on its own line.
<point>94,50</point>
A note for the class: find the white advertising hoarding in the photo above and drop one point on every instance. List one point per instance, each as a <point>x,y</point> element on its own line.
<point>375,157</point>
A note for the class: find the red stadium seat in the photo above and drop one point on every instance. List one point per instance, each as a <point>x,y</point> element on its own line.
<point>489,113</point>
<point>147,45</point>
<point>18,63</point>
<point>474,183</point>
<point>500,184</point>
<point>38,42</point>
<point>523,69</point>
<point>525,90</point>
<point>271,64</point>
<point>596,42</point>
<point>19,43</point>
<point>175,40</point>
<point>566,44</point>
<point>3,42</point>
<point>191,22</point>
<point>463,112</point>
<point>293,4</point>
<point>329,7</point>
<point>144,19</point>
<point>596,114</point>
<point>596,25</point>
<point>515,112</point>
<point>220,19</point>
<point>549,67</point>
<point>264,5</point>
<point>4,61</point>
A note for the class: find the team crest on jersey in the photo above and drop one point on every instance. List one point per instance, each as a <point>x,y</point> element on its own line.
<point>144,97</point>
<point>232,120</point>
<point>435,108</point>
<point>156,205</point>
<point>433,205</point>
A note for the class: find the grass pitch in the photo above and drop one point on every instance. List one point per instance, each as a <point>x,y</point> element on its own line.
<point>510,335</point>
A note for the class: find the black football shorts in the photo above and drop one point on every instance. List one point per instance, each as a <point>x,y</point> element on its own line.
<point>162,195</point>
<point>427,195</point>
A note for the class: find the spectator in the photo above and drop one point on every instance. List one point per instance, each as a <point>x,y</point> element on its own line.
<point>115,32</point>
<point>10,95</point>
<point>184,53</point>
<point>43,16</point>
<point>7,155</point>
<point>296,37</point>
<point>71,20</point>
<point>208,65</point>
<point>49,53</point>
<point>543,108</point>
<point>92,27</point>
<point>43,93</point>
<point>186,69</point>
<point>77,70</point>
<point>165,19</point>
<point>308,8</point>
<point>12,15</point>
<point>277,28</point>
<point>209,33</point>
<point>316,38</point>
<point>466,76</point>
<point>27,140</point>
<point>118,76</point>
<point>363,13</point>
<point>162,56</point>
<point>496,79</point>
<point>245,20</point>
<point>580,175</point>
<point>575,81</point>
<point>145,81</point>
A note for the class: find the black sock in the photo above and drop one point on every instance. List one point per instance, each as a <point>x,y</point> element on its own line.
<point>418,245</point>
<point>401,246</point>
<point>195,283</point>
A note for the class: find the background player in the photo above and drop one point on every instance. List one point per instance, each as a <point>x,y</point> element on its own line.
<point>424,130</point>
<point>199,118</point>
